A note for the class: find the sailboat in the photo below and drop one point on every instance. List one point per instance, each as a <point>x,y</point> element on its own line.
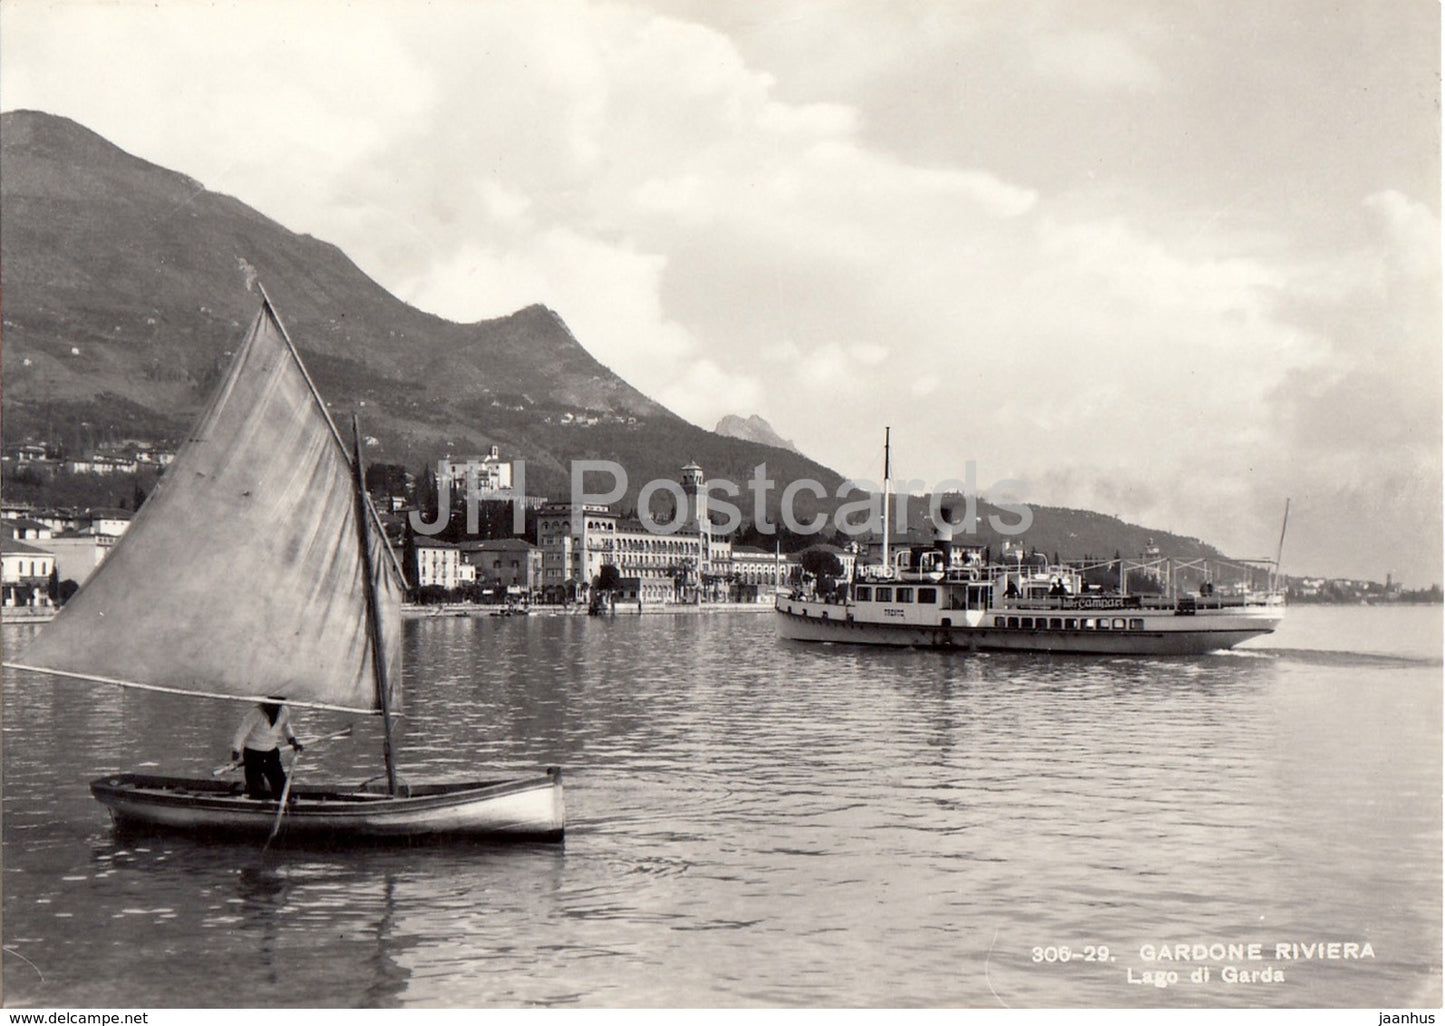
<point>265,494</point>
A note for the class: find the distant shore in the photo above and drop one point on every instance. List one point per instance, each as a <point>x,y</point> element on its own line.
<point>417,611</point>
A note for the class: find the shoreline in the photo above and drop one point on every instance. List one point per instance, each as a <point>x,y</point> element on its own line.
<point>416,611</point>
<point>28,614</point>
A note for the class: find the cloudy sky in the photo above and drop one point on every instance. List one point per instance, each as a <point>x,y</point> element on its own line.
<point>1170,260</point>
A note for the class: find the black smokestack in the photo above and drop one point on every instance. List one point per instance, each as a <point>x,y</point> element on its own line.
<point>943,534</point>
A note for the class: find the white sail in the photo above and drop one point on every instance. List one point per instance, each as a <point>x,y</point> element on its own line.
<point>242,575</point>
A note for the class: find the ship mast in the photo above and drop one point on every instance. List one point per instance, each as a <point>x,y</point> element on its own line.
<point>1279,552</point>
<point>886,468</point>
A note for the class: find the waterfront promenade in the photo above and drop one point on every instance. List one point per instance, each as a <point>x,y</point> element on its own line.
<point>40,614</point>
<point>417,611</point>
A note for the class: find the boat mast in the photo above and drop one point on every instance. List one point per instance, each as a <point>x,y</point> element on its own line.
<point>886,468</point>
<point>1279,552</point>
<point>373,621</point>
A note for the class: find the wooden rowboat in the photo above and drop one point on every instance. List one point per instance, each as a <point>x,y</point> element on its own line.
<point>526,809</point>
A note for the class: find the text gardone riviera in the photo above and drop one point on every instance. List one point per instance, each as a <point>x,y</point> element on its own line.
<point>1281,951</point>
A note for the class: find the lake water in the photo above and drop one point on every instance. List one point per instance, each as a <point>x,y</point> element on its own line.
<point>755,822</point>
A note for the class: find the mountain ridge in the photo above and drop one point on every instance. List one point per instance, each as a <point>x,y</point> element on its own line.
<point>128,285</point>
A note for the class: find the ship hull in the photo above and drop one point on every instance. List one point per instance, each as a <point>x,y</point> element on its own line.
<point>801,620</point>
<point>528,809</point>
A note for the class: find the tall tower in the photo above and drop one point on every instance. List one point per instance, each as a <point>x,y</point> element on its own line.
<point>697,518</point>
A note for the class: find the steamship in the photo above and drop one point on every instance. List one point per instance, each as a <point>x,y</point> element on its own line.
<point>949,596</point>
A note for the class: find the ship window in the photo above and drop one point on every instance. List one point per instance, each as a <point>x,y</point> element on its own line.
<point>1136,625</point>
<point>1118,624</point>
<point>1027,622</point>
<point>904,595</point>
<point>883,594</point>
<point>1088,623</point>
<point>1071,623</point>
<point>864,593</point>
<point>1055,623</point>
<point>998,621</point>
<point>928,595</point>
<point>1013,621</point>
<point>1103,624</point>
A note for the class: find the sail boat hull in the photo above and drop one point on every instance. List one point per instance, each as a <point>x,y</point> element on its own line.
<point>527,809</point>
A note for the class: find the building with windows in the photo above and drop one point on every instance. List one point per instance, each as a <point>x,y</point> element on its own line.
<point>27,529</point>
<point>510,569</point>
<point>493,474</point>
<point>101,463</point>
<point>439,564</point>
<point>655,567</point>
<point>758,574</point>
<point>25,572</point>
<point>58,520</point>
<point>78,555</point>
<point>28,454</point>
<point>573,540</point>
<point>656,563</point>
<point>113,522</point>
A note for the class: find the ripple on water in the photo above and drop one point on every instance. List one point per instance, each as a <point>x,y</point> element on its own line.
<point>754,822</point>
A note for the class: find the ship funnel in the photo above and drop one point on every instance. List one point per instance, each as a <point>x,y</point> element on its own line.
<point>943,534</point>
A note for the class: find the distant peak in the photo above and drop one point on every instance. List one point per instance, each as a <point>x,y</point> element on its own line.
<point>753,429</point>
<point>536,314</point>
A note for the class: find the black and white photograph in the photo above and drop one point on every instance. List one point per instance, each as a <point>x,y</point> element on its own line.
<point>680,504</point>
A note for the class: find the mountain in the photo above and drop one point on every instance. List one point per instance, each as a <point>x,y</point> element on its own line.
<point>127,285</point>
<point>754,429</point>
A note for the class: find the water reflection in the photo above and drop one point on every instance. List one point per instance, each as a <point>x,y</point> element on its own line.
<point>755,823</point>
<point>260,893</point>
<point>277,903</point>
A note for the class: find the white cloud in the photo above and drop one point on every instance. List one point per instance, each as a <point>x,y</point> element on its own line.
<point>707,198</point>
<point>1412,232</point>
<point>1094,60</point>
<point>870,354</point>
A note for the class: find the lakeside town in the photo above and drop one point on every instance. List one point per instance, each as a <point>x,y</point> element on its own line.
<point>603,559</point>
<point>582,557</point>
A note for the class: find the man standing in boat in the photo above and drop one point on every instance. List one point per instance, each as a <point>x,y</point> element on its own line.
<point>257,745</point>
